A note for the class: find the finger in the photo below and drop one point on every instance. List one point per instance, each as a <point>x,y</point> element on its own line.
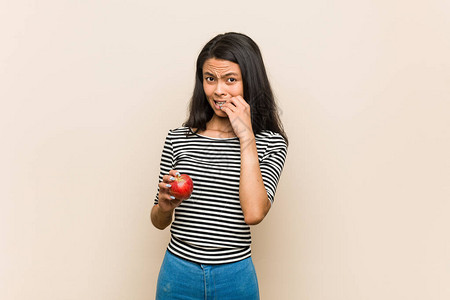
<point>241,100</point>
<point>169,197</point>
<point>230,105</point>
<point>174,173</point>
<point>164,186</point>
<point>168,178</point>
<point>164,192</point>
<point>226,109</point>
<point>240,103</point>
<point>233,102</point>
<point>166,197</point>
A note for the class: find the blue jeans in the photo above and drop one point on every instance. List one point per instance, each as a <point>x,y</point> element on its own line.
<point>182,279</point>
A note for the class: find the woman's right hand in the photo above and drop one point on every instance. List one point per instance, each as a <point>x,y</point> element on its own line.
<point>167,202</point>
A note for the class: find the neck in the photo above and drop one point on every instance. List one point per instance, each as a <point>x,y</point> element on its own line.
<point>219,124</point>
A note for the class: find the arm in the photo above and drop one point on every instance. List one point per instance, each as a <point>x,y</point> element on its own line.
<point>252,193</point>
<point>162,212</point>
<point>160,219</point>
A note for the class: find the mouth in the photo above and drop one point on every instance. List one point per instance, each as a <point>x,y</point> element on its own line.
<point>218,104</point>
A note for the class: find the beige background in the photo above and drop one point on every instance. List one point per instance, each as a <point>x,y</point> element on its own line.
<point>88,90</point>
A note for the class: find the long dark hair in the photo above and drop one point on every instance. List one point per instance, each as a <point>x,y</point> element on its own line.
<point>242,50</point>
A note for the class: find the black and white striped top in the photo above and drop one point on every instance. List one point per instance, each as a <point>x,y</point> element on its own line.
<point>209,227</point>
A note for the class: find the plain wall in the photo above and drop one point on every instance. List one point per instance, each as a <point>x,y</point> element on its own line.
<point>89,89</point>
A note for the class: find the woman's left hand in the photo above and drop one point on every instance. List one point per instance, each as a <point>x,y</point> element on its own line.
<point>238,112</point>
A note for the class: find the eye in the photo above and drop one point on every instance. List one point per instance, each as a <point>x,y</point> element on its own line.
<point>209,79</point>
<point>231,79</point>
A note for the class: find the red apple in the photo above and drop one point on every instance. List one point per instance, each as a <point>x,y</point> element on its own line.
<point>182,187</point>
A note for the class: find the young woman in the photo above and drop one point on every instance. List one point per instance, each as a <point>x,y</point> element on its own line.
<point>234,147</point>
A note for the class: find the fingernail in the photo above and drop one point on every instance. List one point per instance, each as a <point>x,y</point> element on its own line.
<point>177,174</point>
<point>172,178</point>
<point>168,185</point>
<point>172,197</point>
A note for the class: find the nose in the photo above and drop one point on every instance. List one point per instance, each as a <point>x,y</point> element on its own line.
<point>220,89</point>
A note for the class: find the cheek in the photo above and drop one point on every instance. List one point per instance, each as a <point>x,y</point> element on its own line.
<point>238,90</point>
<point>207,90</point>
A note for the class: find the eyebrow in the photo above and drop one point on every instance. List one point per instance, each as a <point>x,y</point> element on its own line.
<point>226,75</point>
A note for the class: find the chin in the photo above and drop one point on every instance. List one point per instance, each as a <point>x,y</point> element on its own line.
<point>220,114</point>
<point>224,115</point>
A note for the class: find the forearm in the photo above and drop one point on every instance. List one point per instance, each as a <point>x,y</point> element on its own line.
<point>252,193</point>
<point>160,219</point>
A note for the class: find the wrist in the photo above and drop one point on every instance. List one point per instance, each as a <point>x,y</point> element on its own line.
<point>247,137</point>
<point>247,142</point>
<point>165,213</point>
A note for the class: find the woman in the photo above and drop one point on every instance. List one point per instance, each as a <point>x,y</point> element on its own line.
<point>234,147</point>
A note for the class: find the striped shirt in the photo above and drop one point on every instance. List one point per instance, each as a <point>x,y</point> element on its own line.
<point>209,227</point>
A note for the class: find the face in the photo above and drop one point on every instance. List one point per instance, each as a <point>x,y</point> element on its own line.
<point>222,80</point>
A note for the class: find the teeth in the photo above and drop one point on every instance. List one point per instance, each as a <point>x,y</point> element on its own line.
<point>220,103</point>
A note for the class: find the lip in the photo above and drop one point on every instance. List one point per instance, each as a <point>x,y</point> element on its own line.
<point>216,103</point>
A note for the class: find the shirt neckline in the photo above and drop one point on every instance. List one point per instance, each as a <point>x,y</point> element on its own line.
<point>209,137</point>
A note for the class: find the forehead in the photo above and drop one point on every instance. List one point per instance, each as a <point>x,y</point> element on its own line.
<point>220,65</point>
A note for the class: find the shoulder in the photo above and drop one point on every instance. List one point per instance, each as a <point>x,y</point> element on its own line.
<point>271,138</point>
<point>180,131</point>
